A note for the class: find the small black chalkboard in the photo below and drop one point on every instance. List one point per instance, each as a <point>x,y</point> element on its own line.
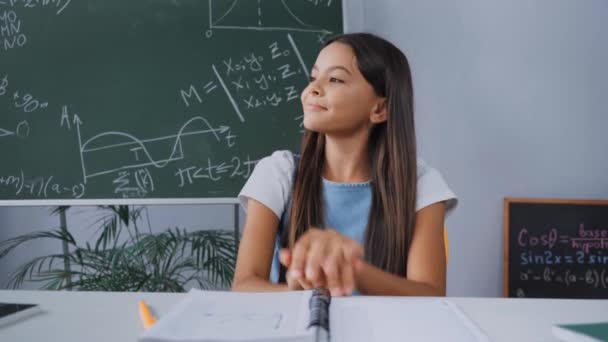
<point>555,248</point>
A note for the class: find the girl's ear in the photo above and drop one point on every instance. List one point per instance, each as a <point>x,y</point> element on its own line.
<point>379,112</point>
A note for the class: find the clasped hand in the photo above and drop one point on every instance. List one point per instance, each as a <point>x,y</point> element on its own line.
<point>322,258</point>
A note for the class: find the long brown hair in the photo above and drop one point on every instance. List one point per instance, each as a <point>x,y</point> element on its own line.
<point>392,148</point>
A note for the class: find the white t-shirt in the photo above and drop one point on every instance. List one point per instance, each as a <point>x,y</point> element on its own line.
<point>270,183</point>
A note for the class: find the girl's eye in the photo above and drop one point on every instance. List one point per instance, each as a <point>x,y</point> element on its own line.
<point>335,80</point>
<point>311,79</point>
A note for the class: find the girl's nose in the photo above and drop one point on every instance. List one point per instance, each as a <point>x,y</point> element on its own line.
<point>314,89</point>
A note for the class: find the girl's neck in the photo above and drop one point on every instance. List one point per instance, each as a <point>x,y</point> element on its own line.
<point>347,159</point>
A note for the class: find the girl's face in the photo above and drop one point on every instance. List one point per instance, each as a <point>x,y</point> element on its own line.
<point>338,100</point>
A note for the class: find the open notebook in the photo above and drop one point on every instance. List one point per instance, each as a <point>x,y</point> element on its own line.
<point>309,316</point>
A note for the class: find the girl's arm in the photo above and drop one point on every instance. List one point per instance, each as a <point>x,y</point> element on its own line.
<point>426,266</point>
<point>256,250</point>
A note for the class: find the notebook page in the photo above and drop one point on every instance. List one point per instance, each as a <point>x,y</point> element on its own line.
<point>350,324</point>
<point>395,319</point>
<point>233,316</point>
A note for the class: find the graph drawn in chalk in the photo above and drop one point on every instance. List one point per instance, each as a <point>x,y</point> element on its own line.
<point>127,151</point>
<point>255,15</point>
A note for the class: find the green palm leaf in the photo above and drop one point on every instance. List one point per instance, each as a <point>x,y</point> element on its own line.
<point>171,261</point>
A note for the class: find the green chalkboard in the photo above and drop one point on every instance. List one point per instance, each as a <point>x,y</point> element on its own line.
<point>113,99</point>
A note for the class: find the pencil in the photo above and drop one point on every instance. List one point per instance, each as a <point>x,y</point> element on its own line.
<point>146,316</point>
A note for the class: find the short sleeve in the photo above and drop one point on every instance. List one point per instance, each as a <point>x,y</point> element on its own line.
<point>432,188</point>
<point>270,182</point>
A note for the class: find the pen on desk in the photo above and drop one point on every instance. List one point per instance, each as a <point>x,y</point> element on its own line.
<point>146,316</point>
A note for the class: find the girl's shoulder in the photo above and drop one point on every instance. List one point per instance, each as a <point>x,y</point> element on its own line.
<point>432,187</point>
<point>272,178</point>
<point>282,164</point>
<point>270,182</point>
<point>422,168</point>
<point>282,161</point>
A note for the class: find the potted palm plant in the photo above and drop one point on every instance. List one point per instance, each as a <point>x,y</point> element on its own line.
<point>125,257</point>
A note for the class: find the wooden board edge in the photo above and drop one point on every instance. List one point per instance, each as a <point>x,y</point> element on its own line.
<point>505,246</point>
<point>541,200</point>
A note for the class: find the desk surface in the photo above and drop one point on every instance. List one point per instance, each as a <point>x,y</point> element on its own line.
<point>113,316</point>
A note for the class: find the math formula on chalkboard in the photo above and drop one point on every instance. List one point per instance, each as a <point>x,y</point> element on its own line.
<point>556,248</point>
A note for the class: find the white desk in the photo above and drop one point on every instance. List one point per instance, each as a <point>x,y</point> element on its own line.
<point>113,316</point>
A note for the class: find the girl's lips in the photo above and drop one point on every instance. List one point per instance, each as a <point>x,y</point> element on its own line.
<point>315,107</point>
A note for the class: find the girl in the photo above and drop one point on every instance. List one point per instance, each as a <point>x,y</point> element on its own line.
<point>356,211</point>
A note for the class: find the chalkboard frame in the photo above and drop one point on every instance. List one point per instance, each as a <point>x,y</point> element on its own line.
<point>522,200</point>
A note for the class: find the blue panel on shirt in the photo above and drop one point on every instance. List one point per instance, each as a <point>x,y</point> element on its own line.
<point>347,207</point>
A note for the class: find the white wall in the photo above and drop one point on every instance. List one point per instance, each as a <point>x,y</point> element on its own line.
<point>17,221</point>
<point>512,101</point>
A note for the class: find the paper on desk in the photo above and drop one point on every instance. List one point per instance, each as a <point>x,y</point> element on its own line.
<point>389,319</point>
<point>232,316</point>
